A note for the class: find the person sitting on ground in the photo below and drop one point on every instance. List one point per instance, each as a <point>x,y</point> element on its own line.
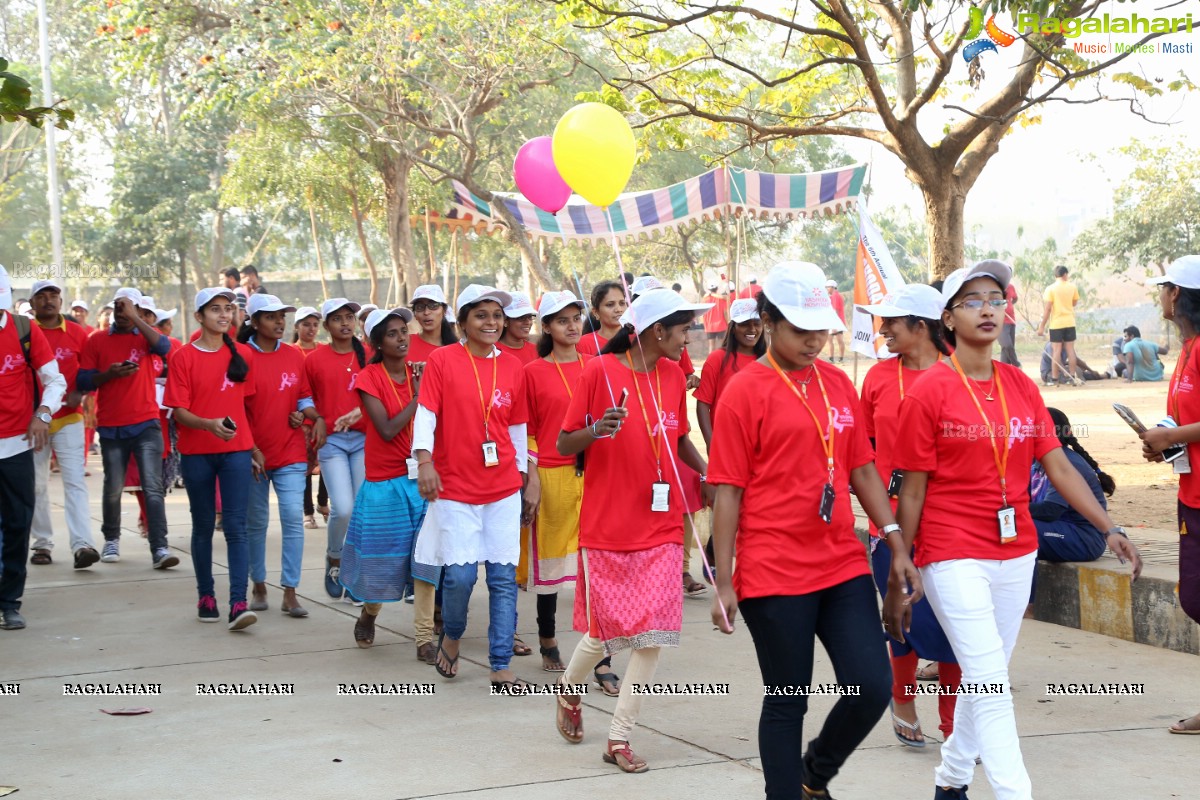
<point>1084,371</point>
<point>1141,357</point>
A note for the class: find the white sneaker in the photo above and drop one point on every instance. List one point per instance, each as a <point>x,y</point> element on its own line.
<point>111,552</point>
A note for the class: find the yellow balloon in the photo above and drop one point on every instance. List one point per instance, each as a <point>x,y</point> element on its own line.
<point>594,151</point>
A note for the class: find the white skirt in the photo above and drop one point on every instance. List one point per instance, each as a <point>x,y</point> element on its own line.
<point>463,533</point>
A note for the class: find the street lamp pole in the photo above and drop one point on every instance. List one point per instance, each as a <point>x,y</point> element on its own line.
<point>52,193</point>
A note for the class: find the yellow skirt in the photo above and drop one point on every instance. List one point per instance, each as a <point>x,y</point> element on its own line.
<point>553,538</point>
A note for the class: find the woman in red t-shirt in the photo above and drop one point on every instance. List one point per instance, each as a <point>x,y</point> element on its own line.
<point>1179,297</point>
<point>281,404</point>
<point>788,447</point>
<point>631,519</point>
<point>332,373</point>
<point>518,325</point>
<point>207,385</point>
<point>972,428</point>
<point>377,562</point>
<point>471,444</point>
<point>743,345</point>
<point>911,324</point>
<point>608,304</point>
<point>436,329</point>
<point>305,327</point>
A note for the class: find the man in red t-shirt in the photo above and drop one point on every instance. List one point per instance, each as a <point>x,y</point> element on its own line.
<point>79,313</point>
<point>66,339</point>
<point>839,307</point>
<point>22,427</point>
<point>716,319</point>
<point>127,418</point>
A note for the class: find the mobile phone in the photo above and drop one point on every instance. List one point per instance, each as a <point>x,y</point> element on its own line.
<point>128,363</point>
<point>229,424</point>
<point>624,398</point>
<point>1131,419</point>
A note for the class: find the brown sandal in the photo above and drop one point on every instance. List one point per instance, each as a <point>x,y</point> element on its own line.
<point>572,715</point>
<point>364,630</point>
<point>40,557</point>
<point>520,648</point>
<point>620,754</point>
<point>693,587</point>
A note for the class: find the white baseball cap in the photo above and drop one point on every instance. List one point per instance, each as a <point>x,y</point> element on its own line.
<point>266,302</point>
<point>653,306</point>
<point>304,312</point>
<point>989,268</point>
<point>42,285</point>
<point>129,292</point>
<point>645,284</point>
<point>475,293</point>
<point>1183,272</point>
<point>380,314</point>
<point>554,302</point>
<point>337,304</point>
<point>25,309</point>
<point>5,290</point>
<point>147,303</point>
<point>797,289</point>
<point>79,304</point>
<point>429,291</point>
<point>831,284</point>
<point>205,296</point>
<point>161,315</point>
<point>365,310</point>
<point>751,279</point>
<point>520,306</point>
<point>743,310</point>
<point>712,287</point>
<point>914,299</point>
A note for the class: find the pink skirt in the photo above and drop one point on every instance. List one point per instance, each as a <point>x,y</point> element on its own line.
<point>630,599</point>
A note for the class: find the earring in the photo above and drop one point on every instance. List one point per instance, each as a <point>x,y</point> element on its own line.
<point>660,338</point>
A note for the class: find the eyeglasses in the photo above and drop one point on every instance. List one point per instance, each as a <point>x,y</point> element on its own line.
<point>975,305</point>
<point>419,307</point>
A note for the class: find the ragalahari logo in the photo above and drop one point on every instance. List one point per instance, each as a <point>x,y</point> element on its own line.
<point>995,36</point>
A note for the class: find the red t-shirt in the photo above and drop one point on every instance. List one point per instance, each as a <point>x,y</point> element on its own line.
<point>767,444</point>
<point>419,349</point>
<point>280,382</point>
<point>750,292</point>
<point>715,375</point>
<point>386,460</point>
<point>16,382</point>
<point>121,401</point>
<point>196,381</point>
<point>306,352</point>
<point>526,355</point>
<point>332,376</point>
<point>1183,405</point>
<point>449,390</point>
<point>716,319</point>
<point>591,344</point>
<point>1010,314</point>
<point>548,398</point>
<point>620,473</point>
<point>66,341</point>
<point>685,363</point>
<point>839,305</point>
<point>945,436</point>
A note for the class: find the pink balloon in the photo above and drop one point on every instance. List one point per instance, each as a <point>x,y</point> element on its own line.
<point>537,178</point>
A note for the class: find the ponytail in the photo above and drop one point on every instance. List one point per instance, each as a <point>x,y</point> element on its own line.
<point>238,368</point>
<point>359,352</point>
<point>245,332</point>
<point>449,334</point>
<point>376,337</point>
<point>545,344</point>
<point>1062,427</point>
<point>621,342</point>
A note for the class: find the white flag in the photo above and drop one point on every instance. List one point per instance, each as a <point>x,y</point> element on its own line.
<point>875,275</point>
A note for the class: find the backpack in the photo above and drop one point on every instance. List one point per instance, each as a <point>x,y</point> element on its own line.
<point>24,325</point>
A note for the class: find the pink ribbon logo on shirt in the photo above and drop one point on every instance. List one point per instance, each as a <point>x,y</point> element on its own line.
<point>12,362</point>
<point>63,353</point>
<point>135,356</point>
<point>287,380</point>
<point>226,383</point>
<point>501,399</point>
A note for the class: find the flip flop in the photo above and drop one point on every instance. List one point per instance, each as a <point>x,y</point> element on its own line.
<point>520,648</point>
<point>608,683</point>
<point>1183,731</point>
<point>929,672</point>
<point>552,655</point>
<point>914,727</point>
<point>453,662</point>
<point>693,587</point>
<point>40,557</point>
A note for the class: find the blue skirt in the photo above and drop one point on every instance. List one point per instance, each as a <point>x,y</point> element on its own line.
<point>377,559</point>
<point>926,636</point>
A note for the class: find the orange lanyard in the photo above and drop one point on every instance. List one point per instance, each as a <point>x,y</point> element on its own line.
<point>900,372</point>
<point>1001,460</point>
<point>570,392</point>
<point>827,438</point>
<point>1180,368</point>
<point>392,383</point>
<point>485,405</point>
<point>654,444</point>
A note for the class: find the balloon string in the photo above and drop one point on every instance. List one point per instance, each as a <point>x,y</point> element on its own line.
<point>662,432</point>
<point>612,398</point>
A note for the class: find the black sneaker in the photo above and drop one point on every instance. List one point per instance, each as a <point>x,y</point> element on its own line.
<point>240,616</point>
<point>949,793</point>
<point>206,609</point>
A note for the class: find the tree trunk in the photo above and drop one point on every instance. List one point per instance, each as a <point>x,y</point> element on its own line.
<point>362,243</point>
<point>217,242</point>
<point>185,319</point>
<point>198,277</point>
<point>395,173</point>
<point>529,254</point>
<point>944,202</point>
<point>312,221</point>
<point>337,265</point>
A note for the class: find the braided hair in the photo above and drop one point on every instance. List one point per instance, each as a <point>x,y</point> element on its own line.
<point>238,369</point>
<point>1062,427</point>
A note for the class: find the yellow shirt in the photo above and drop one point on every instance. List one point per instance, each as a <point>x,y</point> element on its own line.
<point>1062,297</point>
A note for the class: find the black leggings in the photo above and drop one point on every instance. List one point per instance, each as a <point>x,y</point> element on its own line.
<point>322,495</point>
<point>846,620</point>
<point>547,605</point>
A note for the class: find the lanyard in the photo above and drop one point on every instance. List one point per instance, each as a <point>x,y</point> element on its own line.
<point>411,394</point>
<point>900,372</point>
<point>654,443</point>
<point>570,392</point>
<point>827,438</point>
<point>485,405</point>
<point>1180,368</point>
<point>1001,460</point>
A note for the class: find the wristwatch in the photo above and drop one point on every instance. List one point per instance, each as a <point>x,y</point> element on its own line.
<point>1118,530</point>
<point>888,530</point>
<point>44,416</point>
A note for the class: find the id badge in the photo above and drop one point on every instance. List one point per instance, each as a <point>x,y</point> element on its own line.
<point>1181,465</point>
<point>826,511</point>
<point>893,487</point>
<point>491,456</point>
<point>1007,518</point>
<point>414,468</point>
<point>660,496</point>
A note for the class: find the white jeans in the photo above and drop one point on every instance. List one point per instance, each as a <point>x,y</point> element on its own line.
<point>980,604</point>
<point>67,444</point>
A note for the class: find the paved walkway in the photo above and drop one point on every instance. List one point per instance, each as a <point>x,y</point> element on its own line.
<point>122,623</point>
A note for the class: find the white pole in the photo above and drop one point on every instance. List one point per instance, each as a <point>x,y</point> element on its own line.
<point>52,194</point>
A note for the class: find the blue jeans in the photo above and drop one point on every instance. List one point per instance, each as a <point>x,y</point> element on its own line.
<point>289,492</point>
<point>147,451</point>
<point>344,470</point>
<point>457,582</point>
<point>201,474</point>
